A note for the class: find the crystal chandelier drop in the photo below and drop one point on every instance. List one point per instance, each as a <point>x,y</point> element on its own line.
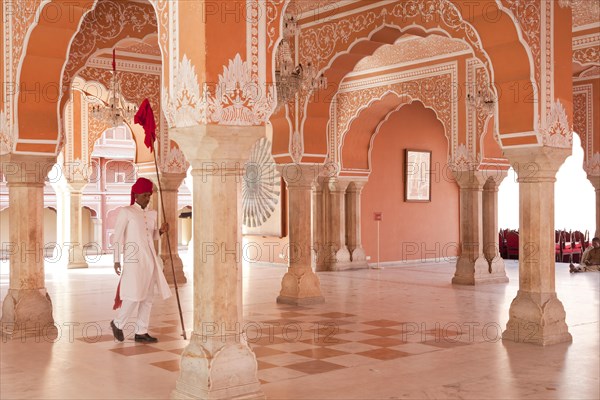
<point>115,111</point>
<point>290,78</point>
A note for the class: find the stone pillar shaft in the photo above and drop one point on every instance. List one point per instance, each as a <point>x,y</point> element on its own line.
<point>353,224</point>
<point>75,236</point>
<point>338,257</point>
<point>536,314</point>
<point>318,225</point>
<point>217,350</point>
<point>471,266</point>
<point>170,188</point>
<point>27,307</point>
<point>491,249</point>
<point>300,285</point>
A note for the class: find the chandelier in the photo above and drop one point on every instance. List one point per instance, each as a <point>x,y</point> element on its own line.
<point>482,101</point>
<point>289,78</point>
<point>115,111</point>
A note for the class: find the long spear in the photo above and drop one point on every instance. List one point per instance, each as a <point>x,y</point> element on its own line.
<point>145,118</point>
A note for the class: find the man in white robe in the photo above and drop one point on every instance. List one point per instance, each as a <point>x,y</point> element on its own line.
<point>134,235</point>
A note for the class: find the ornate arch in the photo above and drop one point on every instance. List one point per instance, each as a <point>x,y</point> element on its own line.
<point>326,43</point>
<point>432,86</point>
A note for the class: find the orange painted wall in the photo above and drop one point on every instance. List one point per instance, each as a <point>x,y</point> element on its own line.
<point>410,231</point>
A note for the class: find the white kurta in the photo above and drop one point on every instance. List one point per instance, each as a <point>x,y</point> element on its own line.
<point>134,235</point>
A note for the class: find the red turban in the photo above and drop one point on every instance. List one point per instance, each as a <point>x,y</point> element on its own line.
<point>142,185</point>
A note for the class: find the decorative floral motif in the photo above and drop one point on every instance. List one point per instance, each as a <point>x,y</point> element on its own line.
<point>261,185</point>
<point>109,20</point>
<point>76,170</point>
<point>274,7</point>
<point>187,107</point>
<point>592,165</point>
<point>583,116</point>
<point>593,72</point>
<point>322,42</point>
<point>555,130</point>
<point>588,55</point>
<point>296,147</point>
<point>238,100</point>
<point>528,15</point>
<point>175,161</point>
<point>463,159</point>
<point>6,140</point>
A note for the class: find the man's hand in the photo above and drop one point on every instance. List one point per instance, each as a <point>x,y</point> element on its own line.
<point>118,268</point>
<point>163,228</point>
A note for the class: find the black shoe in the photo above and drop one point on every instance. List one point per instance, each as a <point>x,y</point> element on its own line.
<point>117,333</point>
<point>145,338</point>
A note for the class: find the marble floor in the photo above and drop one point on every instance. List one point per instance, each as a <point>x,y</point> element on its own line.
<point>395,333</point>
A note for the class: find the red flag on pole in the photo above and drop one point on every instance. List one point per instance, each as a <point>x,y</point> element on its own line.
<point>145,118</point>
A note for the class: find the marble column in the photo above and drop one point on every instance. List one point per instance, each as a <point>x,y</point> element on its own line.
<point>97,231</point>
<point>217,363</point>
<point>471,267</point>
<point>353,224</point>
<point>27,308</point>
<point>338,256</point>
<point>170,188</point>
<point>491,249</point>
<point>595,179</point>
<point>318,224</point>
<point>74,240</point>
<point>300,285</point>
<point>536,315</point>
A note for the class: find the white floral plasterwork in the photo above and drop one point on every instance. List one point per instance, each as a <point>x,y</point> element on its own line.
<point>592,166</point>
<point>238,100</point>
<point>175,162</point>
<point>6,140</point>
<point>463,159</point>
<point>186,107</point>
<point>556,131</point>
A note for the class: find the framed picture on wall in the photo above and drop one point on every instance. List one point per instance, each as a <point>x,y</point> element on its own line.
<point>417,175</point>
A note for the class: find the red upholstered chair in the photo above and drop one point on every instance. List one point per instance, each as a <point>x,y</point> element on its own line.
<point>502,244</point>
<point>577,245</point>
<point>512,244</point>
<point>566,246</point>
<point>557,246</point>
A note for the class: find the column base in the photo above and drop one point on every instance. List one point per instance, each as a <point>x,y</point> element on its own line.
<point>300,287</point>
<point>537,318</point>
<point>26,313</point>
<point>218,368</point>
<point>348,265</point>
<point>469,272</point>
<point>77,265</point>
<point>300,301</point>
<point>178,267</point>
<point>497,272</point>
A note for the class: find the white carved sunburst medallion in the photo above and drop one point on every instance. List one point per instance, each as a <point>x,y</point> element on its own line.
<point>261,185</point>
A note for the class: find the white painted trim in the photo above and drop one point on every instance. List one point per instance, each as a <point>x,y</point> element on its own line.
<point>525,146</point>
<point>408,63</point>
<point>262,43</point>
<point>586,78</point>
<point>35,153</point>
<point>593,25</point>
<point>398,77</point>
<point>584,41</point>
<point>517,134</point>
<point>34,141</point>
<point>372,5</point>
